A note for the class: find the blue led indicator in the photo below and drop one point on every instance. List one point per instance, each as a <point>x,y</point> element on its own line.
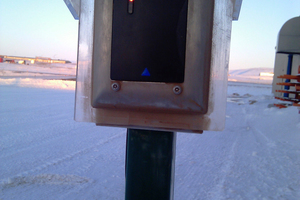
<point>146,72</point>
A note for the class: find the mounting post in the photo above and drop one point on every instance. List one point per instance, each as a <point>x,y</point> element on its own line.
<point>150,163</point>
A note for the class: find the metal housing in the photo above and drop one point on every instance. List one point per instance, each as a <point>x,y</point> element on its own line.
<point>150,96</point>
<point>164,110</point>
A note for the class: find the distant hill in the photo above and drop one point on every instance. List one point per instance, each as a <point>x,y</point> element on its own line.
<point>253,75</point>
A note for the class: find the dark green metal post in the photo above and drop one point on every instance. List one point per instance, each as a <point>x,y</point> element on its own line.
<point>288,72</point>
<point>150,165</point>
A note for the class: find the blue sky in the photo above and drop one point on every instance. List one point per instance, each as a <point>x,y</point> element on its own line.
<point>38,28</point>
<point>254,35</point>
<point>47,28</point>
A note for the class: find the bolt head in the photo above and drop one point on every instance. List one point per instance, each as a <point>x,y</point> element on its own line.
<point>115,87</point>
<point>177,90</point>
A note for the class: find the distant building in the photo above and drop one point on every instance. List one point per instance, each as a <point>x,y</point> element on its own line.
<point>266,74</point>
<point>23,60</point>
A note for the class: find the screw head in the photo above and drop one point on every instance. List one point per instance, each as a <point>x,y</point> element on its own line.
<point>177,90</point>
<point>115,87</point>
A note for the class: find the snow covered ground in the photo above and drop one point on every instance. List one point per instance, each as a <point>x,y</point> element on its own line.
<point>45,71</point>
<point>44,154</point>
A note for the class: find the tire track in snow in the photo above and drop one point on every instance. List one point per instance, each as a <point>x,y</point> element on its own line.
<point>44,140</point>
<point>25,119</point>
<point>100,162</point>
<point>218,191</point>
<point>94,159</point>
<point>41,113</point>
<point>268,141</point>
<point>29,137</point>
<point>59,160</point>
<point>51,179</point>
<point>81,171</point>
<point>273,161</point>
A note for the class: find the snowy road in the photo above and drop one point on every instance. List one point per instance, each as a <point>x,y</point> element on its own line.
<point>44,154</point>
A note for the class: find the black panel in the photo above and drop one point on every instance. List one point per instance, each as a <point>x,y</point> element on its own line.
<point>149,43</point>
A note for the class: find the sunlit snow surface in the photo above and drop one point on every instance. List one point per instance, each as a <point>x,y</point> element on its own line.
<point>45,154</point>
